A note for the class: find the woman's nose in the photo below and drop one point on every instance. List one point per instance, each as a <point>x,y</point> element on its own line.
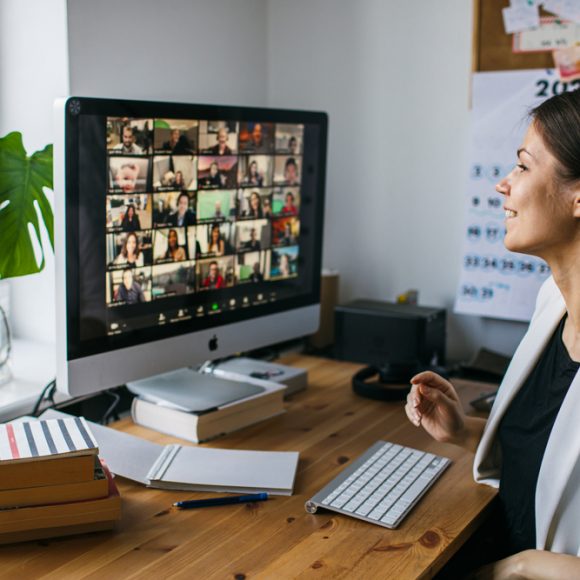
<point>503,186</point>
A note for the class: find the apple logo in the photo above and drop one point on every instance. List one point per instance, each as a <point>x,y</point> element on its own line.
<point>213,343</point>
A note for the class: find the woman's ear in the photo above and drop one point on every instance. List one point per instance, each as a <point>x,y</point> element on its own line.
<point>577,200</point>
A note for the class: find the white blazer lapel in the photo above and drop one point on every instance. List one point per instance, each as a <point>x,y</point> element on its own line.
<point>560,458</point>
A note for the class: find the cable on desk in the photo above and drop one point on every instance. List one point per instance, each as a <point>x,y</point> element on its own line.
<point>110,412</point>
<point>46,394</point>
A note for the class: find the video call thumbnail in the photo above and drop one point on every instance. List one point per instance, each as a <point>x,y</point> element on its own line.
<point>179,137</point>
<point>169,245</point>
<point>256,137</point>
<point>216,205</point>
<point>129,136</point>
<point>286,201</point>
<point>174,208</point>
<point>218,137</point>
<point>128,174</point>
<point>255,203</point>
<point>285,231</point>
<point>173,279</point>
<point>252,236</point>
<point>215,273</point>
<point>289,138</point>
<point>287,170</point>
<point>175,172</point>
<point>284,263</point>
<point>129,286</point>
<point>215,171</point>
<point>216,239</point>
<point>253,267</point>
<point>255,171</point>
<point>129,249</point>
<point>129,213</point>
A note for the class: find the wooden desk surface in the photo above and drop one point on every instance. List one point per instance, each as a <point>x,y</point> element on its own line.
<point>330,426</point>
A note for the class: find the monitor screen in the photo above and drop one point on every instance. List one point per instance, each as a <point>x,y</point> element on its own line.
<point>181,218</point>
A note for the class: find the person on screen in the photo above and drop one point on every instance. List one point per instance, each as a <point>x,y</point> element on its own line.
<point>129,291</point>
<point>288,239</point>
<point>178,143</point>
<point>215,178</point>
<point>255,206</point>
<point>284,265</point>
<point>529,447</point>
<point>214,279</point>
<point>289,208</point>
<point>292,145</point>
<point>216,242</point>
<point>291,172</point>
<point>179,182</point>
<point>217,213</point>
<point>174,251</point>
<point>253,243</point>
<point>257,140</point>
<point>252,176</point>
<point>266,207</point>
<point>130,254</point>
<point>130,221</point>
<point>126,177</point>
<point>184,215</point>
<point>221,147</point>
<point>256,275</point>
<point>128,145</point>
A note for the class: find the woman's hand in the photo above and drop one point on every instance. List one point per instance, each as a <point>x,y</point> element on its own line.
<point>433,403</point>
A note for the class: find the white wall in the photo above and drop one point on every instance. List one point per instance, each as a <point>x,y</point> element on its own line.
<point>201,51</point>
<point>394,78</point>
<point>33,73</point>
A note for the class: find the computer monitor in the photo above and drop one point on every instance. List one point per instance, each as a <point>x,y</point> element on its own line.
<point>183,233</point>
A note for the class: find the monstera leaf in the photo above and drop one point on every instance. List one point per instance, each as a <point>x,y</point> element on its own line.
<point>21,181</point>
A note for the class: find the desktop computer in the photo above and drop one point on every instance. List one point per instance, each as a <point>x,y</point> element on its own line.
<point>183,233</point>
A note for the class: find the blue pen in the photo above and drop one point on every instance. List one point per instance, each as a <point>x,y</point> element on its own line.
<point>200,503</point>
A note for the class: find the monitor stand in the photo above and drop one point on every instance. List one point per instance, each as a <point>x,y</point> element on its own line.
<point>193,391</point>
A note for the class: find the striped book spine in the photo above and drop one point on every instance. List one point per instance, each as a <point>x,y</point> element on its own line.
<point>42,439</point>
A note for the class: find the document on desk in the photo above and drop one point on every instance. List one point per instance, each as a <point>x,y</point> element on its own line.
<point>191,468</point>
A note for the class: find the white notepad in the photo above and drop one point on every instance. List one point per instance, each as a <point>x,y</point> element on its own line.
<point>190,468</point>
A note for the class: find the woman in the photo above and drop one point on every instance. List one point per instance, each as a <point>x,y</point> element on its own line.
<point>530,445</point>
<point>284,265</point>
<point>174,252</point>
<point>179,182</point>
<point>255,210</point>
<point>252,176</point>
<point>216,243</point>
<point>130,221</point>
<point>130,254</point>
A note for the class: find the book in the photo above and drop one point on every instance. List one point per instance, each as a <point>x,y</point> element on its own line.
<point>65,492</point>
<point>295,378</point>
<point>52,452</point>
<point>43,533</point>
<point>198,427</point>
<point>193,467</point>
<point>60,515</point>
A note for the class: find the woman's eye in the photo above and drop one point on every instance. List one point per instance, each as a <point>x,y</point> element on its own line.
<point>521,167</point>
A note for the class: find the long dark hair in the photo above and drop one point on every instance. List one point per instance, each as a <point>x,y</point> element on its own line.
<point>557,120</point>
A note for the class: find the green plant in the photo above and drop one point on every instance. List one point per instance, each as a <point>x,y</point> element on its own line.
<point>22,180</point>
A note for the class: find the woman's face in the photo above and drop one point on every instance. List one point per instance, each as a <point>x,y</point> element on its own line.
<point>215,234</point>
<point>213,169</point>
<point>179,177</point>
<point>131,245</point>
<point>130,212</point>
<point>255,201</point>
<point>172,238</point>
<point>253,168</point>
<point>182,205</point>
<point>539,209</point>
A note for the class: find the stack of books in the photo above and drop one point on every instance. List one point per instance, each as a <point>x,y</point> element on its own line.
<point>52,482</point>
<point>198,426</point>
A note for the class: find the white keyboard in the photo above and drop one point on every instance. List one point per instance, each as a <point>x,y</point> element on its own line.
<point>382,485</point>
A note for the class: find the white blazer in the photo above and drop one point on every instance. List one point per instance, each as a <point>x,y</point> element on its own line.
<point>558,489</point>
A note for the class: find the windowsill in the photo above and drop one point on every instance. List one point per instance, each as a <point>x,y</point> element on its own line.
<point>33,367</point>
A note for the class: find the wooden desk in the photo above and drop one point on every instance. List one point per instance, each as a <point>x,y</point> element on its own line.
<point>330,426</point>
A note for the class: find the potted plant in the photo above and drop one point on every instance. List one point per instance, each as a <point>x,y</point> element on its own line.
<point>23,205</point>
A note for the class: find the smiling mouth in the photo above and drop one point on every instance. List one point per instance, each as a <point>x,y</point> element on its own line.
<point>510,213</point>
